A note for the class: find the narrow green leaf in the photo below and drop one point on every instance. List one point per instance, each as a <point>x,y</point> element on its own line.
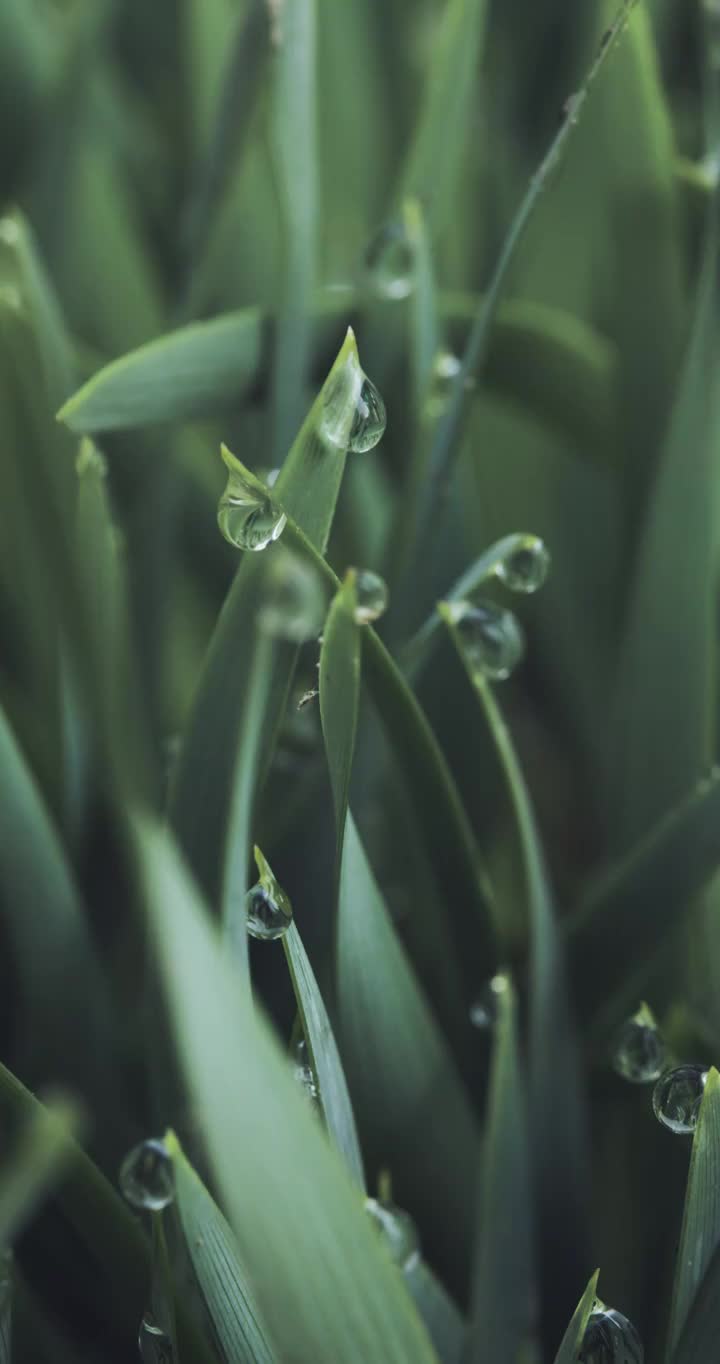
<point>443,1320</point>
<point>447,113</point>
<point>307,488</point>
<point>325,1288</point>
<point>557,1113</point>
<point>504,1291</point>
<point>293,142</point>
<point>700,1235</point>
<point>324,1055</point>
<point>339,692</point>
<point>398,1063</point>
<point>572,1340</point>
<point>640,901</point>
<point>699,1335</point>
<point>36,1165</point>
<point>219,1270</point>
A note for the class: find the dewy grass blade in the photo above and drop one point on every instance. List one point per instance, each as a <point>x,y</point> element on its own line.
<point>293,141</point>
<point>219,1270</point>
<point>700,1235</point>
<point>449,430</point>
<point>557,1112</point>
<point>325,1287</point>
<point>504,1291</point>
<point>324,1056</point>
<point>572,1340</point>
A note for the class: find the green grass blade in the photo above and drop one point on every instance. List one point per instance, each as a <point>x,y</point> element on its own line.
<point>324,1285</point>
<point>399,1067</point>
<point>700,1235</point>
<point>572,1340</point>
<point>639,902</point>
<point>557,1116</point>
<point>33,1169</point>
<point>504,1291</point>
<point>698,1338</point>
<point>307,487</point>
<point>435,157</point>
<point>324,1056</point>
<point>219,1270</point>
<point>444,1323</point>
<point>339,692</point>
<point>7,1293</point>
<point>293,143</point>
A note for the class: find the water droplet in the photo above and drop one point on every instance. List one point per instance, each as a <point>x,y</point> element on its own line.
<point>640,1050</point>
<point>677,1097</point>
<point>293,598</point>
<point>154,1344</point>
<point>369,421</point>
<point>398,1231</point>
<point>389,261</point>
<point>247,515</point>
<point>491,638</point>
<point>525,564</point>
<point>372,596</point>
<point>269,911</point>
<point>610,1338</point>
<point>483,1010</point>
<point>147,1178</point>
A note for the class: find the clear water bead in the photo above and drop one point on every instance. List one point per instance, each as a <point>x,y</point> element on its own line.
<point>677,1097</point>
<point>372,596</point>
<point>640,1050</point>
<point>397,1230</point>
<point>610,1338</point>
<point>269,911</point>
<point>293,598</point>
<point>369,420</point>
<point>525,565</point>
<point>389,262</point>
<point>491,638</point>
<point>483,1010</point>
<point>147,1178</point>
<point>247,516</point>
<point>154,1344</point>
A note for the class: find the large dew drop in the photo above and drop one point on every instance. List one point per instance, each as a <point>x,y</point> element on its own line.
<point>525,565</point>
<point>247,515</point>
<point>491,638</point>
<point>371,594</point>
<point>389,262</point>
<point>269,911</point>
<point>369,421</point>
<point>147,1178</point>
<point>397,1230</point>
<point>610,1338</point>
<point>154,1344</point>
<point>640,1051</point>
<point>293,598</point>
<point>677,1097</point>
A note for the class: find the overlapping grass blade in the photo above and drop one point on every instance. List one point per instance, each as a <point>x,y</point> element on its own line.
<point>35,1166</point>
<point>339,692</point>
<point>324,1056</point>
<point>700,1235</point>
<point>325,1288</point>
<point>444,1323</point>
<point>504,1291</point>
<point>400,1070</point>
<point>219,1270</point>
<point>557,1111</point>
<point>571,1341</point>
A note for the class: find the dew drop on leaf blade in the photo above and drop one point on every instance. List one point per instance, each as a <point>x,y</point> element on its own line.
<point>640,1051</point>
<point>147,1178</point>
<point>397,1230</point>
<point>610,1339</point>
<point>491,638</point>
<point>369,420</point>
<point>525,565</point>
<point>677,1097</point>
<point>154,1344</point>
<point>371,594</point>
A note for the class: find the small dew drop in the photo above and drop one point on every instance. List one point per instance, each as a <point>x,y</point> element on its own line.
<point>303,1072</point>
<point>372,596</point>
<point>525,565</point>
<point>640,1050</point>
<point>269,911</point>
<point>483,1010</point>
<point>248,518</point>
<point>147,1178</point>
<point>677,1097</point>
<point>397,1230</point>
<point>610,1338</point>
<point>293,598</point>
<point>154,1344</point>
<point>389,263</point>
<point>445,370</point>
<point>491,638</point>
<point>369,421</point>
